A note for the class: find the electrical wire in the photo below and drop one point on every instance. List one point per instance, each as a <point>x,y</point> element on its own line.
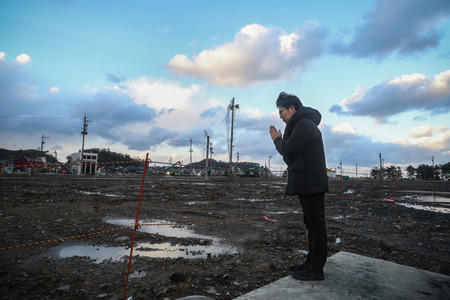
<point>21,118</point>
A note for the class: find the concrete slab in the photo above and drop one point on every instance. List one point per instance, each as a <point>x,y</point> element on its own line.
<point>352,276</point>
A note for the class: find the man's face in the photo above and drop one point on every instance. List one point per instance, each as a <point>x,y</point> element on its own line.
<point>286,113</point>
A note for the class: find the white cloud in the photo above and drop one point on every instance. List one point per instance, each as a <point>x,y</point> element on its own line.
<point>256,54</point>
<point>401,94</point>
<point>408,79</point>
<point>23,58</point>
<point>357,96</point>
<point>441,83</point>
<point>251,112</point>
<point>437,139</point>
<point>2,55</point>
<point>403,26</point>
<point>421,131</point>
<point>180,108</point>
<point>54,89</point>
<point>160,94</point>
<point>345,128</point>
<point>363,150</point>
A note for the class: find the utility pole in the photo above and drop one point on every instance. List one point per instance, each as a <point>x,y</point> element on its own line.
<point>237,157</point>
<point>211,152</point>
<point>190,151</point>
<point>207,155</point>
<point>340,167</point>
<point>43,142</point>
<point>56,158</point>
<point>84,132</point>
<point>232,107</point>
<point>270,157</point>
<point>356,170</point>
<point>432,176</point>
<point>381,167</point>
<point>432,179</point>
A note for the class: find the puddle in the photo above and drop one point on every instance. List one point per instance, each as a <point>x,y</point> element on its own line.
<point>137,274</point>
<point>196,202</point>
<point>212,247</point>
<point>276,184</point>
<point>350,191</point>
<point>426,207</point>
<point>164,229</point>
<point>255,200</point>
<point>283,212</point>
<point>428,198</point>
<point>423,192</point>
<point>99,194</point>
<point>160,250</point>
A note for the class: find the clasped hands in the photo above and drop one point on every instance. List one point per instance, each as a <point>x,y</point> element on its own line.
<point>274,133</point>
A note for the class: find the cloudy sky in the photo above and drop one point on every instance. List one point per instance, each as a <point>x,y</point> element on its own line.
<point>151,75</point>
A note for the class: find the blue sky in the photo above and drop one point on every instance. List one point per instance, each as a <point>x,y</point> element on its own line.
<point>151,75</point>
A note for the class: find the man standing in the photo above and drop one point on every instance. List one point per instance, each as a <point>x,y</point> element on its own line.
<point>302,149</point>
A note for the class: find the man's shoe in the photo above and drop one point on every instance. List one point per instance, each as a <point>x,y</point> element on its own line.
<point>308,275</point>
<point>298,268</point>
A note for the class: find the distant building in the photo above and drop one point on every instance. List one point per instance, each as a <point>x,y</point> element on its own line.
<point>86,165</point>
<point>331,173</point>
<point>25,163</point>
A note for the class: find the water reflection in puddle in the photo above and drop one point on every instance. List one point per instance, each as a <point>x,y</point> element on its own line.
<point>196,202</point>
<point>283,212</point>
<point>99,194</point>
<point>163,229</point>
<point>137,274</point>
<point>255,200</point>
<point>415,201</point>
<point>160,250</point>
<point>428,198</point>
<point>212,247</point>
<point>426,207</point>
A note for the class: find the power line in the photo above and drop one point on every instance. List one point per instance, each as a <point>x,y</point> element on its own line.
<point>20,118</point>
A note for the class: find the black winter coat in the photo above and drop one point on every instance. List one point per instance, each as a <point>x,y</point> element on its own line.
<point>302,150</point>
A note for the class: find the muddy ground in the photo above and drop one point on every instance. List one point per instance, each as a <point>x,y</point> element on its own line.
<point>239,250</point>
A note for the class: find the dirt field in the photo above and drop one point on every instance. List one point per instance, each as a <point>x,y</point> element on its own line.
<point>234,251</point>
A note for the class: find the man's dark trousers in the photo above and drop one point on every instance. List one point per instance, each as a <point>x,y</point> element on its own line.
<point>314,217</point>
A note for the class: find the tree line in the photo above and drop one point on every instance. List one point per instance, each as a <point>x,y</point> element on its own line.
<point>423,172</point>
<point>106,155</point>
<point>9,157</point>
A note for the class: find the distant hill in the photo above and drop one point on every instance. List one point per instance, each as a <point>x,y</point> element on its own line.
<point>8,157</point>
